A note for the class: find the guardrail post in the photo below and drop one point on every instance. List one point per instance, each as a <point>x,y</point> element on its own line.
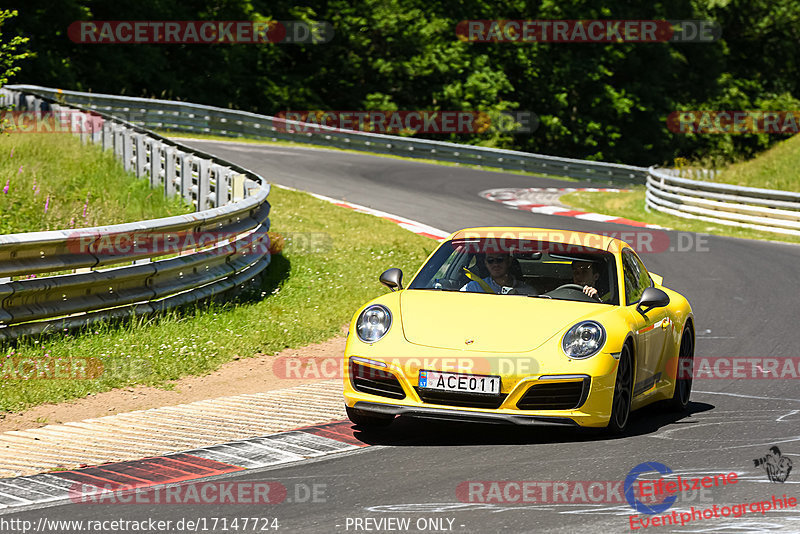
<point>203,184</point>
<point>107,135</point>
<point>237,187</point>
<point>141,155</point>
<point>119,141</point>
<point>170,172</point>
<point>222,184</point>
<point>156,163</point>
<point>127,149</point>
<point>185,165</point>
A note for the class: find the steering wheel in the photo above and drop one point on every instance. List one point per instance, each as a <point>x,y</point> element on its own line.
<point>577,287</point>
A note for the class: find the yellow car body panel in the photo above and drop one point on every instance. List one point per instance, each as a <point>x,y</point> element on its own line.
<point>518,339</point>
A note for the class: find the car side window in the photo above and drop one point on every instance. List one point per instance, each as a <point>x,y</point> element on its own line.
<point>636,277</point>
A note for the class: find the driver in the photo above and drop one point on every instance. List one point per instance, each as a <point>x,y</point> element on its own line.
<point>500,278</point>
<point>585,273</point>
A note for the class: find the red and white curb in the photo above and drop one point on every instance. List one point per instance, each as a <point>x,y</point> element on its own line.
<point>411,225</point>
<point>108,482</point>
<point>543,200</point>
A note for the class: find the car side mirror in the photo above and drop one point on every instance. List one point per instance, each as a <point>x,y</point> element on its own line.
<point>652,298</point>
<point>392,278</point>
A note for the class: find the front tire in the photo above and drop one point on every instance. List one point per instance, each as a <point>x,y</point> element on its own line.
<point>366,421</point>
<point>623,393</point>
<point>683,376</point>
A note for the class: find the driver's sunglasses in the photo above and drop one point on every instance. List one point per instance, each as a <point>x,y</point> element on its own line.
<point>495,260</point>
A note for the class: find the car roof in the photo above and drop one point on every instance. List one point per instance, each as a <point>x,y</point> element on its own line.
<point>552,235</point>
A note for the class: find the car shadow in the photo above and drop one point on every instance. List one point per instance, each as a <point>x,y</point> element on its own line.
<point>414,432</point>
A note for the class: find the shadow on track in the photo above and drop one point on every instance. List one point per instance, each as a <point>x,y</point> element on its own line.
<point>413,432</point>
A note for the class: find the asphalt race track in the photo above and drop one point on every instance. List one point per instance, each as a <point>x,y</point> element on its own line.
<point>745,299</point>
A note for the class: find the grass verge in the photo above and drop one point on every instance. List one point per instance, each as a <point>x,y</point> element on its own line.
<point>52,182</point>
<point>776,168</point>
<point>329,267</point>
<point>631,206</point>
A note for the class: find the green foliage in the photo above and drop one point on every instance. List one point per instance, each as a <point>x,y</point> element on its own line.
<point>9,56</point>
<point>597,101</point>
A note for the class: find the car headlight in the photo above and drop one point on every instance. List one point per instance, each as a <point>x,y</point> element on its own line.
<point>373,323</point>
<point>584,339</point>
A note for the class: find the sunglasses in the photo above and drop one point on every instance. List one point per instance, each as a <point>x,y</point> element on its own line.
<point>495,260</point>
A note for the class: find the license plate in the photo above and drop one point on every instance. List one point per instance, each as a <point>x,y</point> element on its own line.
<point>443,381</point>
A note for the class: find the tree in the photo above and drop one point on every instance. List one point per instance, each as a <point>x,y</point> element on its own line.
<point>9,56</point>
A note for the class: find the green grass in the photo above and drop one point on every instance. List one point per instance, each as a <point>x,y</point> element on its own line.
<point>631,206</point>
<point>306,298</point>
<point>776,168</point>
<point>79,185</point>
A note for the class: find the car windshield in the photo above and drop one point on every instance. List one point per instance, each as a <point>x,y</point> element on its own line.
<point>523,268</point>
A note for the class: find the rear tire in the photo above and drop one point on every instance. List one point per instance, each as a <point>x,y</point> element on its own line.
<point>683,375</point>
<point>359,418</point>
<point>623,393</point>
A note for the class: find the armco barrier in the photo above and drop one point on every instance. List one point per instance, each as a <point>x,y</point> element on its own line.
<point>696,199</point>
<point>749,207</point>
<point>231,202</point>
<point>195,118</point>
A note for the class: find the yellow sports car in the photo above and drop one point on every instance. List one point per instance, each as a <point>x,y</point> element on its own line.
<point>521,325</point>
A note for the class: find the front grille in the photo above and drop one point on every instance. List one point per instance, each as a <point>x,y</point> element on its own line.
<point>375,382</point>
<point>464,400</point>
<point>555,396</point>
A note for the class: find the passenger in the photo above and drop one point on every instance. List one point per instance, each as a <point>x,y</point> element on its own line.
<point>500,279</point>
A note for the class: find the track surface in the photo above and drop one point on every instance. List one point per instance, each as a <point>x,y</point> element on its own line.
<point>745,299</point>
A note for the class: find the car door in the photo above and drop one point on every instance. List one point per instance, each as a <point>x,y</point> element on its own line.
<point>657,337</point>
<point>647,328</point>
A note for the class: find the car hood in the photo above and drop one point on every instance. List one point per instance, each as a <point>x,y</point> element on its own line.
<point>483,322</point>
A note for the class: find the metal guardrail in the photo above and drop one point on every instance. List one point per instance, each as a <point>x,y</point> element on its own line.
<point>772,211</point>
<point>139,267</point>
<point>748,207</point>
<point>196,118</point>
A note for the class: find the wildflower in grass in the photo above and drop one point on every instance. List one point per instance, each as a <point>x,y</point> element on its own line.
<point>47,204</point>
<point>5,189</point>
<point>86,205</point>
<point>12,152</point>
<point>72,223</point>
<point>20,170</point>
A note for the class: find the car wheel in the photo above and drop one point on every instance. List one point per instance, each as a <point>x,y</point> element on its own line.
<point>623,389</point>
<point>363,420</point>
<point>683,378</point>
